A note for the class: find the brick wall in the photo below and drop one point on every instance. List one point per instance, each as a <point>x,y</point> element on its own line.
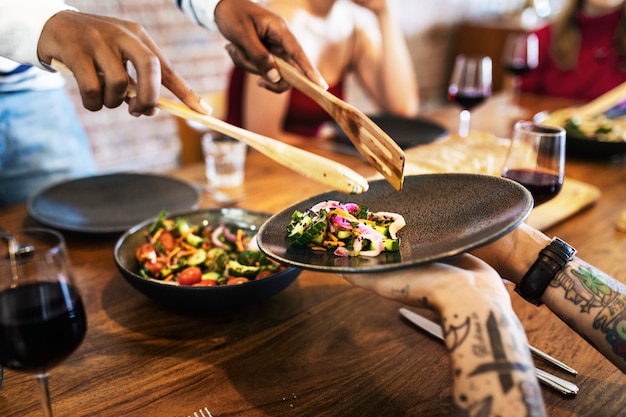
<point>122,142</point>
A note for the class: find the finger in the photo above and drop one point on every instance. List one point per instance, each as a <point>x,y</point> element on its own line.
<point>172,81</point>
<point>113,77</point>
<point>301,61</point>
<point>240,60</point>
<point>88,82</point>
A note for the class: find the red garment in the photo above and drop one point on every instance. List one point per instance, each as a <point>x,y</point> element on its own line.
<point>598,69</point>
<point>304,116</point>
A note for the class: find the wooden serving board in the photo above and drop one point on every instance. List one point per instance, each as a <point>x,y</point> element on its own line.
<point>484,153</point>
<point>574,197</point>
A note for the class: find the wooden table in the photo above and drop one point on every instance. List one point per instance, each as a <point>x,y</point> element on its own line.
<point>321,347</point>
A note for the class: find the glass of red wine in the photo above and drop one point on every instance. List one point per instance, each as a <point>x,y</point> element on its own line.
<point>42,318</point>
<point>536,159</point>
<point>519,56</point>
<point>470,85</point>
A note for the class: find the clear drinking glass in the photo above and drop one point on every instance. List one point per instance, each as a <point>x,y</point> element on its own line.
<point>42,318</point>
<point>470,85</point>
<point>225,160</point>
<point>536,159</point>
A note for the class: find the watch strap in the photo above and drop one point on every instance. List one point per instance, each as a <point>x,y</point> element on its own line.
<point>550,261</point>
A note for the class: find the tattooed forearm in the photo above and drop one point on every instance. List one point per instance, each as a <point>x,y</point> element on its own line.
<point>492,365</point>
<point>600,298</point>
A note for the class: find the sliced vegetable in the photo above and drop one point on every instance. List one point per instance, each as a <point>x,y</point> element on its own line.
<point>189,276</point>
<point>345,229</point>
<point>201,255</point>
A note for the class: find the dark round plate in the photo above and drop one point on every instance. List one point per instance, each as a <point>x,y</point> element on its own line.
<point>110,203</point>
<point>587,148</point>
<point>406,132</point>
<point>201,299</point>
<point>592,148</point>
<point>446,214</point>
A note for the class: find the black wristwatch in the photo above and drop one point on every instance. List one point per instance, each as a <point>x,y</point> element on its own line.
<point>550,261</point>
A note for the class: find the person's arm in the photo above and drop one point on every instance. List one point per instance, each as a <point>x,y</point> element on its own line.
<point>587,299</point>
<point>493,372</point>
<point>97,49</point>
<point>383,62</point>
<point>21,22</point>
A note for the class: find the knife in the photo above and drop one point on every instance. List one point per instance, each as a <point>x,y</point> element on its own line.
<point>559,384</point>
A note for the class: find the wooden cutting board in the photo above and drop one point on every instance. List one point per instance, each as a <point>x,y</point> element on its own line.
<point>484,153</point>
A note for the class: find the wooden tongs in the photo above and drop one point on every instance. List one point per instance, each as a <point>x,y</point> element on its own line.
<point>326,171</point>
<point>371,141</point>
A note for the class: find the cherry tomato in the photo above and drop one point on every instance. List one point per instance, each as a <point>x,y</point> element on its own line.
<point>145,252</point>
<point>154,267</point>
<point>206,283</point>
<point>236,280</point>
<point>264,274</point>
<point>168,241</point>
<point>190,275</point>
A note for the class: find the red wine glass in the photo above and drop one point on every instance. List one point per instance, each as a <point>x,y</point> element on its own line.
<point>536,159</point>
<point>470,85</point>
<point>519,56</point>
<point>42,318</point>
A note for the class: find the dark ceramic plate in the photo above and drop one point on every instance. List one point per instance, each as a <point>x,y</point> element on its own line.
<point>591,148</point>
<point>110,203</point>
<point>446,214</point>
<point>405,132</point>
<point>201,299</point>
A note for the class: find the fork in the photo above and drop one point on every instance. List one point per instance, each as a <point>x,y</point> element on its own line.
<point>203,412</point>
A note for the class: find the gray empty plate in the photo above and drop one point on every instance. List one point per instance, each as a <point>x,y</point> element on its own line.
<point>110,203</point>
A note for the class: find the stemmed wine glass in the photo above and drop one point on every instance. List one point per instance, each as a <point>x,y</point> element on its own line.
<point>519,56</point>
<point>470,85</point>
<point>536,159</point>
<point>42,318</point>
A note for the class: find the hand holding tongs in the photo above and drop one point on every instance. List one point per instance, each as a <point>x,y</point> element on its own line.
<point>316,167</point>
<point>370,140</point>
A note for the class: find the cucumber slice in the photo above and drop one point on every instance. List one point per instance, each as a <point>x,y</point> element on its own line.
<point>211,275</point>
<point>197,258</point>
<point>315,233</point>
<point>343,234</point>
<point>194,240</point>
<point>391,245</point>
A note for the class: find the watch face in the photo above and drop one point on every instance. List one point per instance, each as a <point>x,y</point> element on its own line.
<point>561,249</point>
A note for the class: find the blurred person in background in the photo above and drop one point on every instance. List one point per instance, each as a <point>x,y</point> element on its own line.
<point>582,54</point>
<point>339,37</point>
<point>41,138</point>
<point>491,363</point>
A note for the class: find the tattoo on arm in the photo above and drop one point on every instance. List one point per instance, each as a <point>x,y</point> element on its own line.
<point>486,341</point>
<point>599,295</point>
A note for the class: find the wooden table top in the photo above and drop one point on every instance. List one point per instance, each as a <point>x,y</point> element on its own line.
<point>319,348</point>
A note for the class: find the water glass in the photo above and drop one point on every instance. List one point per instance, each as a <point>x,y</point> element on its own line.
<point>225,159</point>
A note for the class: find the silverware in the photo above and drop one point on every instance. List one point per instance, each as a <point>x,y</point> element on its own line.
<point>203,412</point>
<point>559,384</point>
<point>547,358</point>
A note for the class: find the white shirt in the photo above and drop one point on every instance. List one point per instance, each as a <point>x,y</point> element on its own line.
<point>21,23</point>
